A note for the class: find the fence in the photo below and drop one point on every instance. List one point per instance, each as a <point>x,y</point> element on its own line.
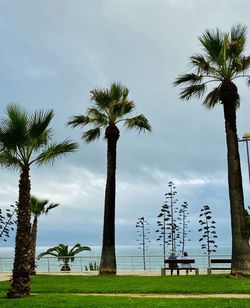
<point>90,263</point>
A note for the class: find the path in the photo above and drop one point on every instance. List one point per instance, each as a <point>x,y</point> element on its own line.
<point>169,295</point>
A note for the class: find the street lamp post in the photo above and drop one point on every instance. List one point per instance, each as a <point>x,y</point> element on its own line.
<point>246,138</point>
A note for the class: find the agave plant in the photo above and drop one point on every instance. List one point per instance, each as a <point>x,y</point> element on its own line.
<point>62,252</point>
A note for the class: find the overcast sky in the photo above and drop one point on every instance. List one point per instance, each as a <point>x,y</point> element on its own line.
<point>53,52</point>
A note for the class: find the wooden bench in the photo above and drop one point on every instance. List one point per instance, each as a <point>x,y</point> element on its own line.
<point>219,268</point>
<point>173,265</point>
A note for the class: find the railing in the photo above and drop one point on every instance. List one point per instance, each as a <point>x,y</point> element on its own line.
<point>124,263</point>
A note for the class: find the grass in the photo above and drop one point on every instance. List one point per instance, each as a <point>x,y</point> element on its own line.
<point>63,291</point>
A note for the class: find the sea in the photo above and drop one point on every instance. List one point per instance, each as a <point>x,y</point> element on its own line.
<point>128,257</point>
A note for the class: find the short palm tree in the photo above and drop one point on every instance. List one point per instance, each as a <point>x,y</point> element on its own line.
<point>222,62</point>
<point>25,140</point>
<point>111,106</point>
<point>62,252</point>
<point>38,207</point>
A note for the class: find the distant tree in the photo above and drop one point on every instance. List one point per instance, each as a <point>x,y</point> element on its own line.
<point>208,233</point>
<point>7,222</point>
<point>62,252</point>
<point>222,62</point>
<point>111,106</point>
<point>143,230</point>
<point>171,218</point>
<point>26,140</point>
<point>38,207</point>
<point>183,226</point>
<point>162,229</point>
<point>172,224</point>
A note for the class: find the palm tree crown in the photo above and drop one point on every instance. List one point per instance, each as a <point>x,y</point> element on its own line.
<point>41,206</point>
<point>61,251</point>
<point>223,61</point>
<point>25,139</point>
<point>111,106</point>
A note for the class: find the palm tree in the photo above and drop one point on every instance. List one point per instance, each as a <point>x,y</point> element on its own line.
<point>63,253</point>
<point>38,207</point>
<point>26,140</point>
<point>222,63</point>
<point>111,106</point>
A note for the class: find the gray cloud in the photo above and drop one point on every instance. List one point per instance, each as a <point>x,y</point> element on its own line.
<point>55,52</point>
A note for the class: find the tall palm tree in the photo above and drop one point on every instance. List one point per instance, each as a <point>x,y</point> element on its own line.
<point>62,252</point>
<point>26,140</point>
<point>110,107</point>
<point>38,207</point>
<point>222,62</point>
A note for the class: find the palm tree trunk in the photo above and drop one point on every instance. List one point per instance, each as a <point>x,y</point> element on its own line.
<point>240,243</point>
<point>20,284</point>
<point>33,236</point>
<point>108,257</point>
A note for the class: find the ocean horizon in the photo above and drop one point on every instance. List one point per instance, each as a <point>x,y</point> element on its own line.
<point>129,258</point>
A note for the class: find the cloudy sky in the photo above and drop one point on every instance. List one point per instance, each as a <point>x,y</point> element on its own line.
<point>53,52</point>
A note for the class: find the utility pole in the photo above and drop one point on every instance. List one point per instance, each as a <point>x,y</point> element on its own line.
<point>246,138</point>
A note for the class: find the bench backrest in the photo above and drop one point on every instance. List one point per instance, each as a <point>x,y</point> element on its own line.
<point>221,261</point>
<point>183,261</point>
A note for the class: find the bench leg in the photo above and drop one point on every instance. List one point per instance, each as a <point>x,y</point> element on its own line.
<point>196,271</point>
<point>163,272</point>
<point>209,271</point>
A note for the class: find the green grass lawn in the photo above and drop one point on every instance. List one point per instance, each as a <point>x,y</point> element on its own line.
<point>63,291</point>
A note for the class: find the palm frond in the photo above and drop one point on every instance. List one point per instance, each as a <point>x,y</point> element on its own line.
<point>48,252</point>
<point>78,248</point>
<point>118,110</point>
<point>212,98</point>
<point>118,92</point>
<point>241,64</point>
<point>201,64</point>
<point>188,78</point>
<point>37,205</point>
<point>14,128</point>
<point>41,206</point>
<point>101,97</point>
<point>79,120</point>
<point>54,151</point>
<point>193,90</point>
<point>238,39</point>
<point>91,134</point>
<point>39,122</point>
<point>97,117</point>
<point>10,161</point>
<point>139,123</point>
<point>50,207</point>
<point>212,41</point>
